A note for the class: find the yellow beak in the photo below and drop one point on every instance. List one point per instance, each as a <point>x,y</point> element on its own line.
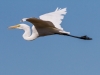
<point>13,27</point>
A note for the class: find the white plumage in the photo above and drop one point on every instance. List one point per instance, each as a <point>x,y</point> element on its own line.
<point>55,17</point>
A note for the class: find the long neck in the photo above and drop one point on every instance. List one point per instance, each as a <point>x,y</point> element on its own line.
<point>27,34</point>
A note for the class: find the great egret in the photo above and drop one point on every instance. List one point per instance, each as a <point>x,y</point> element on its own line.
<point>47,24</point>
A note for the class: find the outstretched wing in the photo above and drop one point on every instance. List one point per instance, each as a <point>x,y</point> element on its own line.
<point>55,17</point>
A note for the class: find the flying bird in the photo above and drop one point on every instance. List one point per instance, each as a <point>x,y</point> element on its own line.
<point>46,24</point>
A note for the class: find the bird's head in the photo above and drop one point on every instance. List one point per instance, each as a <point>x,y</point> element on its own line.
<point>19,26</point>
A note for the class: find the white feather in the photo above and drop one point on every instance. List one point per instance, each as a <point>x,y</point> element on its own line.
<point>55,17</point>
<point>24,19</point>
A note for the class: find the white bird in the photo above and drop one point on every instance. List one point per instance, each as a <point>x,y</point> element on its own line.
<point>47,24</point>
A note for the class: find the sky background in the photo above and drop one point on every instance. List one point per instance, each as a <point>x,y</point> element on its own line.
<point>50,55</point>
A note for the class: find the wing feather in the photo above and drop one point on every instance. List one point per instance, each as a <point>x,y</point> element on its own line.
<point>55,17</point>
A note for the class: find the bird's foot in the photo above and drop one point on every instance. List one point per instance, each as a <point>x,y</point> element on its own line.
<point>85,38</point>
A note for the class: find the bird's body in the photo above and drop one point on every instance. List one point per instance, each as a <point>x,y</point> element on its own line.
<point>47,24</point>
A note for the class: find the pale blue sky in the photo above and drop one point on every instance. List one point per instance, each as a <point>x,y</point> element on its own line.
<point>51,55</point>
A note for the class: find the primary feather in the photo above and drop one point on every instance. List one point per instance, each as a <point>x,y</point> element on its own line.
<point>55,17</point>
